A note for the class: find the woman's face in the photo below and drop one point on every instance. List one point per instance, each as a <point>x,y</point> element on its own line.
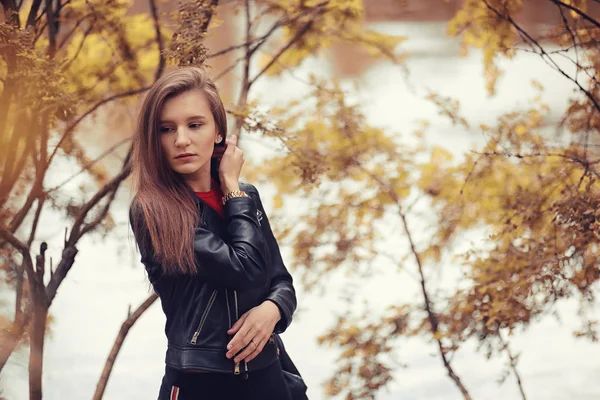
<point>188,133</point>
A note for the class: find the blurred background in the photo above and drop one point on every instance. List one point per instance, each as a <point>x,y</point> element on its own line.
<point>430,169</point>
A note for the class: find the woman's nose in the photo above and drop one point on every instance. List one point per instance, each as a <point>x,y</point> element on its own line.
<point>182,139</point>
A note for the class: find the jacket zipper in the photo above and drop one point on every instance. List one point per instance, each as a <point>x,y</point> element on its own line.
<point>236,369</point>
<point>211,301</point>
<point>237,365</point>
<point>228,308</point>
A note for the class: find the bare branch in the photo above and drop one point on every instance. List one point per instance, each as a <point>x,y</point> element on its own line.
<point>41,169</point>
<point>91,164</point>
<point>70,251</point>
<point>585,163</point>
<point>433,320</point>
<point>228,69</point>
<point>11,166</point>
<point>108,189</point>
<point>96,106</point>
<point>86,34</point>
<point>33,10</point>
<point>513,365</point>
<point>545,56</point>
<point>577,11</point>
<point>285,48</point>
<point>114,352</point>
<point>243,99</point>
<point>36,220</point>
<point>287,21</point>
<point>51,29</point>
<point>159,40</point>
<point>431,316</point>
<point>68,35</point>
<point>573,40</point>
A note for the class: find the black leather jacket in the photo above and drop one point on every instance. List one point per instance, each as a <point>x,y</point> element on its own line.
<point>239,267</point>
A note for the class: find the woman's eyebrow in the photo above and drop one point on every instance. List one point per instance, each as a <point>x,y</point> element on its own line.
<point>193,117</point>
<point>196,117</point>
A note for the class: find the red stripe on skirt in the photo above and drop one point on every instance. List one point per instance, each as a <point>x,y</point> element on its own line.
<point>174,393</point>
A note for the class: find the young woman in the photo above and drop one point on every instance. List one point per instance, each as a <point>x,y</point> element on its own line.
<point>207,247</point>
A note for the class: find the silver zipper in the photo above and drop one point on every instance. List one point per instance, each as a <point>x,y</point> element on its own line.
<point>211,301</point>
<point>237,316</point>
<point>228,308</point>
<point>236,368</point>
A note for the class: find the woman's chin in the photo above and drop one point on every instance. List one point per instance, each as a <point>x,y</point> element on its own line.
<point>187,170</point>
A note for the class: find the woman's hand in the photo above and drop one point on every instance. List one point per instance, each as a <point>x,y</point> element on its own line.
<point>231,166</point>
<point>252,331</point>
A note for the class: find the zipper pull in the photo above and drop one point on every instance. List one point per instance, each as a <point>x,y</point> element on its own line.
<point>236,370</point>
<point>195,337</point>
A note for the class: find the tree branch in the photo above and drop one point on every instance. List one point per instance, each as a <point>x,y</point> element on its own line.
<point>545,56</point>
<point>41,166</point>
<point>11,337</point>
<point>33,10</point>
<point>431,316</point>
<point>51,29</point>
<point>114,352</point>
<point>96,106</point>
<point>85,36</point>
<point>287,21</point>
<point>433,320</point>
<point>513,365</point>
<point>109,188</point>
<point>36,220</point>
<point>577,11</point>
<point>159,40</point>
<point>285,48</point>
<point>9,170</point>
<point>78,229</point>
<point>90,164</point>
<point>243,99</point>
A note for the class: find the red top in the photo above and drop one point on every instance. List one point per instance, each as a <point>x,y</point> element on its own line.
<point>214,198</point>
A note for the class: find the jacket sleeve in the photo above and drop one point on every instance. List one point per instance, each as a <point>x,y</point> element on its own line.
<point>142,238</point>
<point>241,262</point>
<point>282,291</point>
<point>238,263</point>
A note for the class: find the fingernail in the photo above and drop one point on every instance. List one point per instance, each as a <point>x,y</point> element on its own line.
<point>229,347</point>
<point>228,355</point>
<point>237,360</point>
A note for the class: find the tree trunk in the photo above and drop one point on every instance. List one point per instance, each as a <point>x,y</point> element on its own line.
<point>38,325</point>
<point>114,352</point>
<point>36,355</point>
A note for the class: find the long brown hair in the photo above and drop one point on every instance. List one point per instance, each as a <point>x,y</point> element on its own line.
<point>162,198</point>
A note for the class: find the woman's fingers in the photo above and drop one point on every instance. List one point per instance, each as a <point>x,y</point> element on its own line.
<point>256,352</point>
<point>253,348</point>
<point>240,340</point>
<point>231,144</point>
<point>238,324</point>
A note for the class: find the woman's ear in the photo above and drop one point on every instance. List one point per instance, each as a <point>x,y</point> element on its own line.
<point>219,148</point>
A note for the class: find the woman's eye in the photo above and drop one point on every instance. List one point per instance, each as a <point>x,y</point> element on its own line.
<point>195,126</point>
<point>165,129</point>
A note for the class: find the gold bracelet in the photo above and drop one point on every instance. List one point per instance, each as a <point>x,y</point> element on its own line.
<point>234,193</point>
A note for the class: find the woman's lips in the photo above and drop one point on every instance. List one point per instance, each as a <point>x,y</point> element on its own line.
<point>185,157</point>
